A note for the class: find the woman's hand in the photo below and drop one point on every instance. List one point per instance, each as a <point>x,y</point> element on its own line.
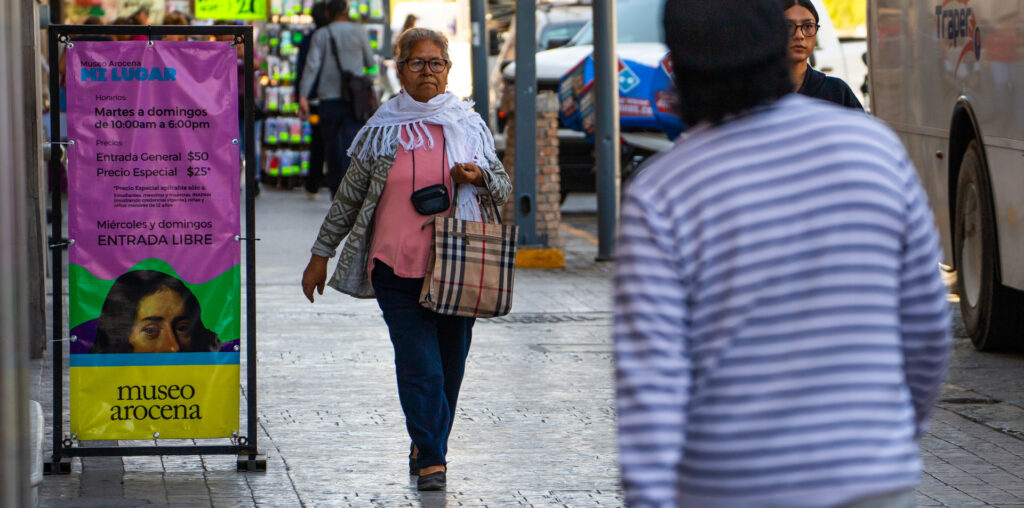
<point>314,276</point>
<point>304,112</point>
<point>468,173</point>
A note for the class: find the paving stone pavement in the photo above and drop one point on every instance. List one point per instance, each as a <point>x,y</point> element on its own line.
<point>535,421</point>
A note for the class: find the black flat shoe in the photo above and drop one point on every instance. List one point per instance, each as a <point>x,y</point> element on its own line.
<point>414,468</point>
<point>432,481</point>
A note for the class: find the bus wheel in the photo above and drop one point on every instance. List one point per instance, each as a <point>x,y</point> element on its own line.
<point>990,311</point>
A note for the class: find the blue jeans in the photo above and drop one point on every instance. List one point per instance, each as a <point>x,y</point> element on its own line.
<point>339,127</point>
<point>430,360</point>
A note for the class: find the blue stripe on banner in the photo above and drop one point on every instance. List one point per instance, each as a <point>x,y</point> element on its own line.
<point>153,359</point>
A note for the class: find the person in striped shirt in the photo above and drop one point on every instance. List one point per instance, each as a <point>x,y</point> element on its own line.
<point>781,329</point>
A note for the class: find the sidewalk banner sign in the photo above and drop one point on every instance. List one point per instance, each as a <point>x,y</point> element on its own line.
<point>154,216</point>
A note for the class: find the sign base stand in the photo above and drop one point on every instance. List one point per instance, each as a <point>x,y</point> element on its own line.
<point>252,463</point>
<point>58,466</point>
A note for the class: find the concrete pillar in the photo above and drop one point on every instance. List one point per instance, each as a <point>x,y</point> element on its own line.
<point>35,180</point>
<point>15,456</point>
<point>549,254</point>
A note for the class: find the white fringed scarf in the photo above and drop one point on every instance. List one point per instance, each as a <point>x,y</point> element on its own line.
<point>402,117</point>
<point>467,137</point>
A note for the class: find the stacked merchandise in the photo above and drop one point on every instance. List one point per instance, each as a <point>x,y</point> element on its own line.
<point>285,138</point>
<point>282,8</point>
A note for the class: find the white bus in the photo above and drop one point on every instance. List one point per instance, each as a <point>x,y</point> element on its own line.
<point>948,77</point>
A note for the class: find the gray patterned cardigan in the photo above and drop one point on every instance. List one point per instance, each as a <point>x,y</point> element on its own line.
<point>351,216</point>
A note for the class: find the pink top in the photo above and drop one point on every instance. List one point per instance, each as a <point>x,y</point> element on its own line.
<point>399,240</point>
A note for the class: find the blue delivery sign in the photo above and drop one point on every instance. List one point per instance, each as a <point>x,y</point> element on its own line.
<point>647,98</point>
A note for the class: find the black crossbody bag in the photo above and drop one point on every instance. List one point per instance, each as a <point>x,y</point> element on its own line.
<point>432,199</point>
<point>356,90</point>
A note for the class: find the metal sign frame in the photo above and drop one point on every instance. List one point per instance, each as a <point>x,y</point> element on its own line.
<point>245,446</point>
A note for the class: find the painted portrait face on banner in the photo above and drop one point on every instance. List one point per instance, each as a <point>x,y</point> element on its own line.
<point>147,311</point>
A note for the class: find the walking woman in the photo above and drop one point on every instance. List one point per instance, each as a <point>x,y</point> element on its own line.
<point>802,21</point>
<point>424,136</point>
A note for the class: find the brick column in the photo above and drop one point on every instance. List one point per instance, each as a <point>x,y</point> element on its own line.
<point>548,198</point>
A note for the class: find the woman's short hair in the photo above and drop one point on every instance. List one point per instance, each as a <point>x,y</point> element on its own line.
<point>175,18</point>
<point>336,8</point>
<point>806,4</point>
<point>136,17</point>
<point>320,14</point>
<point>410,37</point>
<point>410,22</point>
<point>120,309</point>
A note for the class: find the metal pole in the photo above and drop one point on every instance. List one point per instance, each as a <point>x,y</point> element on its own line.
<point>250,245</point>
<point>56,13</point>
<point>57,254</point>
<point>606,127</point>
<point>526,123</point>
<point>14,308</point>
<point>478,20</point>
<point>386,51</point>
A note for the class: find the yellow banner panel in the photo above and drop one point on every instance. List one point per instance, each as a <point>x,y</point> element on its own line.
<point>134,402</point>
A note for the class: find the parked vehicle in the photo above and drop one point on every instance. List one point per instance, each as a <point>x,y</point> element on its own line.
<point>948,77</point>
<point>639,34</point>
<point>639,38</point>
<point>556,24</point>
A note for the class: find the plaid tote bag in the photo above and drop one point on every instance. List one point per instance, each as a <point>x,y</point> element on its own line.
<point>471,267</point>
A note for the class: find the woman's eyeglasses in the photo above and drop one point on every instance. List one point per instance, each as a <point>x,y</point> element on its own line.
<point>808,29</point>
<point>417,64</point>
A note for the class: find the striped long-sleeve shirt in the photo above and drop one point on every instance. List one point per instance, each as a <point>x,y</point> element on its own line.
<point>781,328</point>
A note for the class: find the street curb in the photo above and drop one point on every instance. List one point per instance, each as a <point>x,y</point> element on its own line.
<point>540,258</point>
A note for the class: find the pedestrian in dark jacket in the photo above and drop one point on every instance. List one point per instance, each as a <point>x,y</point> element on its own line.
<point>802,21</point>
<point>321,18</point>
<point>342,46</point>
